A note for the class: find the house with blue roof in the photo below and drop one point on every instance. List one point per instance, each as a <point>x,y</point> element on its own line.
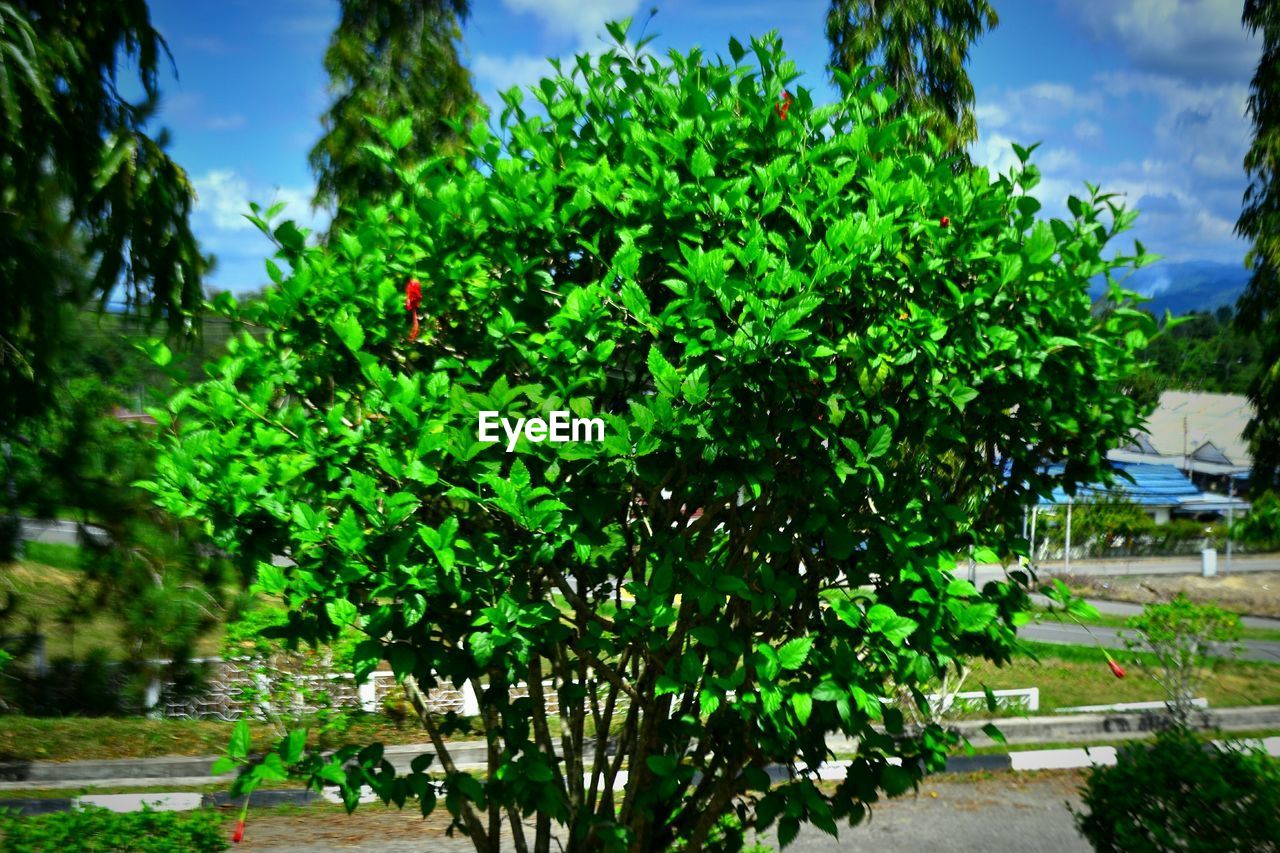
<point>1162,490</point>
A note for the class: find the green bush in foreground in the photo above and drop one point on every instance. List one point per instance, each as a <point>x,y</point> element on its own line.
<point>827,360</point>
<point>94,829</point>
<point>1183,793</point>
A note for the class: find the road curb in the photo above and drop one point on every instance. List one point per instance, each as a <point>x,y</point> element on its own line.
<point>1019,761</point>
<point>470,755</point>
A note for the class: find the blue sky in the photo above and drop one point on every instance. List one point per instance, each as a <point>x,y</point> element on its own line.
<point>1145,97</point>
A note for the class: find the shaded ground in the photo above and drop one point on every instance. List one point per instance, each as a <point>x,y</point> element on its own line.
<point>1255,594</point>
<point>1018,814</point>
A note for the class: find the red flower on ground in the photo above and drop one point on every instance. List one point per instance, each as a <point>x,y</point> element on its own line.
<point>1116,669</point>
<point>238,835</point>
<point>945,222</point>
<point>412,299</point>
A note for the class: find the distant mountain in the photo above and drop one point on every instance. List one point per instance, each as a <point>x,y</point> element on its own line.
<point>1186,286</point>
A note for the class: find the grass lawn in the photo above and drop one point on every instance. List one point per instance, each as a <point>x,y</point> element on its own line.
<point>87,738</point>
<point>1078,675</point>
<point>1066,676</point>
<point>52,554</point>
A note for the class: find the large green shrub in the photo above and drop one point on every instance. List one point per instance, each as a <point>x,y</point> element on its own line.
<point>828,359</point>
<point>93,829</point>
<point>1182,793</point>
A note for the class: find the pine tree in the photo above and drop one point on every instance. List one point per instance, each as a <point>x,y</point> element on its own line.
<point>91,206</point>
<point>388,60</point>
<point>1259,307</point>
<point>922,47</point>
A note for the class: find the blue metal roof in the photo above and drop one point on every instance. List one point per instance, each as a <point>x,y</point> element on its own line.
<point>1155,485</point>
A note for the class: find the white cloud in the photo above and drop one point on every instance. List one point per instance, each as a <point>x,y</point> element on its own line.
<point>223,196</point>
<point>1205,127</point>
<point>1185,38</point>
<point>1030,111</point>
<point>222,200</point>
<point>573,18</point>
<point>503,72</point>
<point>210,45</point>
<point>1085,130</point>
<point>227,122</point>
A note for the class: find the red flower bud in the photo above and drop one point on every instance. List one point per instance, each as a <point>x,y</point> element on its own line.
<point>238,835</point>
<point>412,295</point>
<point>1116,669</point>
<point>945,222</point>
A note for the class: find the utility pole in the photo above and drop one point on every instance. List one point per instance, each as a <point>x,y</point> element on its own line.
<point>1066,567</point>
<point>1231,499</point>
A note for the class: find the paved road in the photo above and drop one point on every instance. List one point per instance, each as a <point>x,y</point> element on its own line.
<point>1007,813</point>
<point>56,531</point>
<point>1129,608</point>
<point>1141,566</point>
<point>1113,638</point>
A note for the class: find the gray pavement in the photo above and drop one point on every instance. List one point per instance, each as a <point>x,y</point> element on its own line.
<point>1139,566</point>
<point>1009,814</point>
<point>1114,638</point>
<point>1129,608</point>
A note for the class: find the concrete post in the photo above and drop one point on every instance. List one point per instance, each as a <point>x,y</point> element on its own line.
<point>1066,566</point>
<point>1231,498</point>
<point>470,704</point>
<point>368,695</point>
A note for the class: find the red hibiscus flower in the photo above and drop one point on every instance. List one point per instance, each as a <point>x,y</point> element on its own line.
<point>782,108</point>
<point>1116,669</point>
<point>945,222</point>
<point>412,299</point>
<point>412,295</point>
<point>238,835</point>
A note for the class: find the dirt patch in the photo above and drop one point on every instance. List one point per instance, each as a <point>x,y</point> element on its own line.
<point>1253,594</point>
<point>323,827</point>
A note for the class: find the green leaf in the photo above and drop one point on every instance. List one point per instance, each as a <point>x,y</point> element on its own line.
<point>157,351</point>
<point>398,134</point>
<point>702,164</point>
<point>994,733</point>
<point>896,781</point>
<point>661,765</point>
<point>240,740</point>
<point>271,578</point>
<point>792,655</point>
<point>694,387</point>
<point>664,375</point>
<point>414,608</point>
<point>976,617</point>
<point>707,635</point>
<point>1040,245</point>
<point>291,747</point>
<point>878,443</point>
<point>802,703</point>
<point>348,329</point>
<point>985,555</point>
<point>829,691</point>
<point>341,612</point>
